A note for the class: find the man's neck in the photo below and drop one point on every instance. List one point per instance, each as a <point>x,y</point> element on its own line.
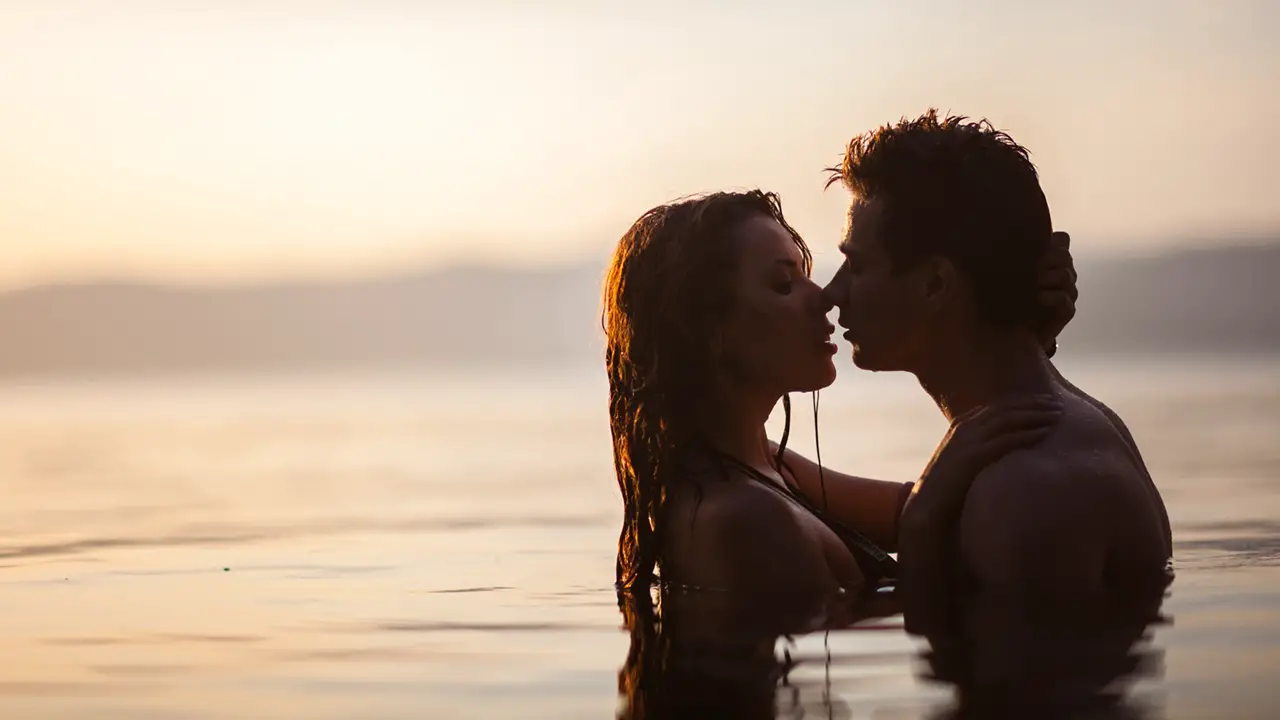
<point>977,371</point>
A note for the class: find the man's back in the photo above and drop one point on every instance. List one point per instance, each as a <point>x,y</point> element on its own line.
<point>1063,554</point>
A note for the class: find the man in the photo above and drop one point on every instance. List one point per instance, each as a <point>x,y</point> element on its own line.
<point>946,230</point>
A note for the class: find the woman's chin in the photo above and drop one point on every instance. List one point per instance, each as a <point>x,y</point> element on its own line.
<point>818,381</point>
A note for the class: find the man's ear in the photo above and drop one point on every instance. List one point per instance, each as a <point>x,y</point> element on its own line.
<point>938,282</point>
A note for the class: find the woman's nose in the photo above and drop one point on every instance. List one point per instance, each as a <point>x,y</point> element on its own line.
<point>822,300</point>
<point>827,297</point>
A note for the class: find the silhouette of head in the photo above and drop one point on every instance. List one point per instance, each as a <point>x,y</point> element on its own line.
<point>705,298</point>
<point>946,228</point>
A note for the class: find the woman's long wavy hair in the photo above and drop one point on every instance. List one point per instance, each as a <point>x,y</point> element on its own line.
<point>667,293</point>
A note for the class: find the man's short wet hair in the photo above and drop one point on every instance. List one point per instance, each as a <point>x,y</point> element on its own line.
<point>961,189</point>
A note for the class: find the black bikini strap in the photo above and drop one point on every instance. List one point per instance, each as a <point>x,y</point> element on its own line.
<point>881,563</point>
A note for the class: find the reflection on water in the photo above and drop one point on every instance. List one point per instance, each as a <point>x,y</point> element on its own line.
<point>1077,662</point>
<point>698,654</point>
<point>677,669</point>
<point>410,548</point>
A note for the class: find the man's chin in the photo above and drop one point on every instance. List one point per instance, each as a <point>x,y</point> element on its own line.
<point>863,361</point>
<point>870,363</point>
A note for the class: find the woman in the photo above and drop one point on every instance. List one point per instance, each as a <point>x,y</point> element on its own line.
<point>711,317</point>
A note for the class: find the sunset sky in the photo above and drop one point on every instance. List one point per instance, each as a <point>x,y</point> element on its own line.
<point>186,140</point>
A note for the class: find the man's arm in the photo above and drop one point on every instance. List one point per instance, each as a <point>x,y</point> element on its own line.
<point>872,507</point>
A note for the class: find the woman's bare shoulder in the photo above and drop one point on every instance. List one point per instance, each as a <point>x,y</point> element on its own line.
<point>740,536</point>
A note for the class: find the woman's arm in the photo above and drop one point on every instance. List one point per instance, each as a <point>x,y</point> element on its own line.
<point>872,507</point>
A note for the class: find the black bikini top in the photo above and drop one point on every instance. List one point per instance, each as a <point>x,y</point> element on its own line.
<point>876,565</point>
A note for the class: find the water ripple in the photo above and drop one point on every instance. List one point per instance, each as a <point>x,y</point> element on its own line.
<point>494,588</point>
<point>494,627</point>
<point>1244,543</point>
<point>222,535</point>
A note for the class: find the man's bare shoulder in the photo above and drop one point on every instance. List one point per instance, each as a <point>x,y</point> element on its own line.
<point>1079,495</point>
<point>1036,521</point>
<point>1084,460</point>
<point>1025,487</point>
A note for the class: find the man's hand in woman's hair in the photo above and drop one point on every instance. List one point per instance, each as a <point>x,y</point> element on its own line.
<point>1058,291</point>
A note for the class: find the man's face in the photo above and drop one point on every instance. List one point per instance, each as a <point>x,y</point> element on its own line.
<point>883,311</point>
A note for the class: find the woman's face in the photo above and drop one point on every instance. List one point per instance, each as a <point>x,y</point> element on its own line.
<point>777,337</point>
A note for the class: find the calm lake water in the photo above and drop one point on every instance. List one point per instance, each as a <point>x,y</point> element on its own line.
<point>410,546</point>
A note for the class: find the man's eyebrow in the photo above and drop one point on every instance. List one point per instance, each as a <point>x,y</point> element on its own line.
<point>788,262</point>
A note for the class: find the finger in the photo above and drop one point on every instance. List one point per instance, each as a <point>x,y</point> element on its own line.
<point>1056,298</point>
<point>1027,418</point>
<point>1060,304</point>
<point>1060,253</point>
<point>1025,404</point>
<point>997,447</point>
<point>1015,421</point>
<point>986,453</point>
<point>1055,278</point>
<point>1038,401</point>
<point>1021,422</point>
<point>970,416</point>
<point>1060,239</point>
<point>980,437</point>
<point>1058,295</point>
<point>1052,261</point>
<point>979,421</point>
<point>1007,443</point>
<point>1056,256</point>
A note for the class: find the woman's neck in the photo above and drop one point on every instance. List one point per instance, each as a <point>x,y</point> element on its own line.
<point>733,423</point>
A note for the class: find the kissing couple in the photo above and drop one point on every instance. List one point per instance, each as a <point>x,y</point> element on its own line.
<point>1036,503</point>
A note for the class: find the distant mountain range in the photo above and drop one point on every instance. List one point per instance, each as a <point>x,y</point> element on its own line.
<point>1213,300</point>
<point>1205,301</point>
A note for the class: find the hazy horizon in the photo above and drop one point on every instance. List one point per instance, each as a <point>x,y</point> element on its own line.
<point>826,261</point>
<point>1218,301</point>
<point>203,142</point>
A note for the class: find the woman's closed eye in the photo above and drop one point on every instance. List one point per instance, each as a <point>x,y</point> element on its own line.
<point>783,286</point>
